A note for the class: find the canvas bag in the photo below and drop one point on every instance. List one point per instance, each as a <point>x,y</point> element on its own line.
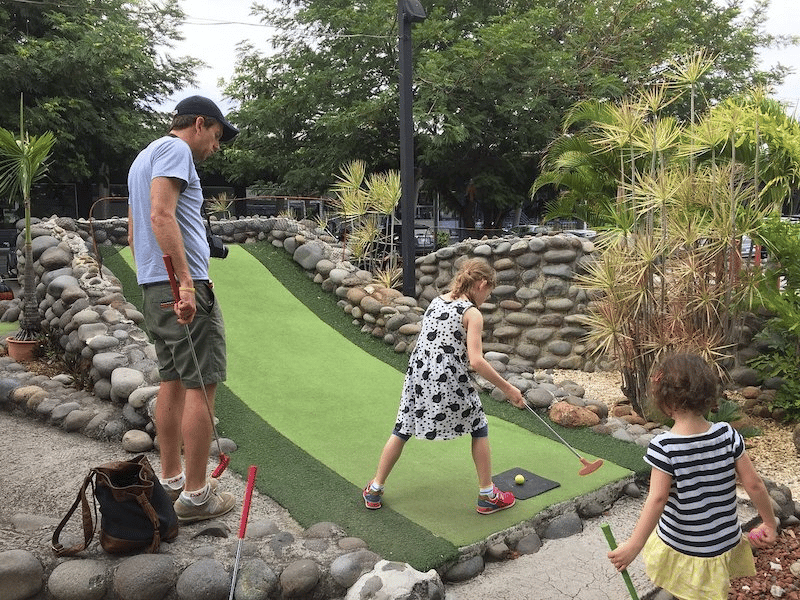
<point>136,512</point>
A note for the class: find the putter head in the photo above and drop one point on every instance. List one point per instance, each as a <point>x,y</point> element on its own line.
<point>224,460</point>
<point>590,467</point>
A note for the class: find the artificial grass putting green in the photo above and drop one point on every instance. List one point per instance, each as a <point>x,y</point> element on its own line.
<point>310,393</point>
<point>339,403</point>
<point>8,327</point>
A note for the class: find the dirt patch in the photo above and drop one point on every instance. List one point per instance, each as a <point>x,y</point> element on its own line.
<point>775,568</point>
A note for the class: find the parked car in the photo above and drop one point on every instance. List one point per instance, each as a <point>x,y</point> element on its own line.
<point>586,233</point>
<point>424,240</point>
<point>748,249</point>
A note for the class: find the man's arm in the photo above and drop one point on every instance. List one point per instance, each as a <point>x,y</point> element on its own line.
<point>164,194</point>
<point>130,234</point>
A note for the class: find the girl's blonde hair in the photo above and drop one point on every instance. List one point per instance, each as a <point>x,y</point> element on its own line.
<point>471,272</point>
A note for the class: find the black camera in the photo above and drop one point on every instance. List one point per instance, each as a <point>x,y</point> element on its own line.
<point>217,246</point>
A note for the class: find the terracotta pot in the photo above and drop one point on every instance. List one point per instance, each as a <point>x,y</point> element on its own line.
<point>21,350</point>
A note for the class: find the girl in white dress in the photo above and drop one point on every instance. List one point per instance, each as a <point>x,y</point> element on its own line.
<point>439,401</point>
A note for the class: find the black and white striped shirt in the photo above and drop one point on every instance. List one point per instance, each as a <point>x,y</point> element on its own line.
<point>700,517</point>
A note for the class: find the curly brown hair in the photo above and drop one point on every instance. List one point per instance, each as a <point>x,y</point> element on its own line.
<point>470,273</point>
<point>686,382</point>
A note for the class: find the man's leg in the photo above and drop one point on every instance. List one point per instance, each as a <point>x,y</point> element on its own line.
<point>198,433</point>
<point>169,426</point>
<point>200,498</point>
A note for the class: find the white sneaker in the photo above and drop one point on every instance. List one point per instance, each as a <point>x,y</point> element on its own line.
<point>216,505</point>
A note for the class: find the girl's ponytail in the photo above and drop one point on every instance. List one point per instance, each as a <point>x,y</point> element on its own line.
<point>470,273</point>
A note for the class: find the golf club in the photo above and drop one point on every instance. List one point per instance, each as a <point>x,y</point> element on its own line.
<point>251,479</point>
<point>612,543</point>
<point>588,467</point>
<point>173,282</point>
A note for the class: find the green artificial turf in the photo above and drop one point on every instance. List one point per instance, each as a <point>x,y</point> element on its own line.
<point>317,411</point>
<point>324,305</point>
<point>8,327</point>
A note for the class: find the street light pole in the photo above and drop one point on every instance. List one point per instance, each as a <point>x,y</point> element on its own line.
<point>408,12</point>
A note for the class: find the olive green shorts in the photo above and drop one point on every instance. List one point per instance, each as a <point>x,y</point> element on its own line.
<point>174,351</point>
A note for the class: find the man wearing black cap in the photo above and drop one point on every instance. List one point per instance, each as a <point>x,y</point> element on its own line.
<point>165,203</point>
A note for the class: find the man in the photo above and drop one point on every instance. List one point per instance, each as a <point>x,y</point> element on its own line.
<point>165,217</point>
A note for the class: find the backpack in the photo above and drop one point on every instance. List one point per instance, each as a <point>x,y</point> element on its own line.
<point>136,512</point>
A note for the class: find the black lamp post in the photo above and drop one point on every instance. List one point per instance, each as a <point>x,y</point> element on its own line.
<point>408,12</point>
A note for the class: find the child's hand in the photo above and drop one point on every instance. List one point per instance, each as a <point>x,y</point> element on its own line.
<point>762,536</point>
<point>515,397</point>
<point>622,556</point>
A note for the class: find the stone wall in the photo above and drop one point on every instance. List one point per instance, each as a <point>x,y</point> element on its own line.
<point>85,313</point>
<point>531,321</point>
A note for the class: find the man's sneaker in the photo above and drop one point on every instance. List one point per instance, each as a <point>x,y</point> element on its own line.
<point>216,505</point>
<point>372,498</point>
<point>173,494</point>
<point>502,500</point>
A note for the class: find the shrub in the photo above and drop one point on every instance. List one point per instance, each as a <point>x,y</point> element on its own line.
<point>780,295</point>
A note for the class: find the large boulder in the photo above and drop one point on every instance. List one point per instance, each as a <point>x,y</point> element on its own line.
<point>568,415</point>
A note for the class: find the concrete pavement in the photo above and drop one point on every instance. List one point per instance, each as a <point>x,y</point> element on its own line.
<point>573,568</point>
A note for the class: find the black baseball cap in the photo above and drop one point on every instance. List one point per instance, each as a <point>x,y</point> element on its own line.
<point>202,106</point>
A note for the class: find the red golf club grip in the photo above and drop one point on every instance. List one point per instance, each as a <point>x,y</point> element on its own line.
<point>251,480</point>
<point>173,283</point>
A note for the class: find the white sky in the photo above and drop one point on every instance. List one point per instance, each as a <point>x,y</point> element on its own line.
<point>213,29</point>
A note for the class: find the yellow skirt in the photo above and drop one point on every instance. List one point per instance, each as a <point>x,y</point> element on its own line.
<point>693,577</point>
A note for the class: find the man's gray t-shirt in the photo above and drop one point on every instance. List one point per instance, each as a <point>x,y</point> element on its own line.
<point>167,157</point>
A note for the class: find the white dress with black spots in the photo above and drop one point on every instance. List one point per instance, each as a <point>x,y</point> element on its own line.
<point>439,401</point>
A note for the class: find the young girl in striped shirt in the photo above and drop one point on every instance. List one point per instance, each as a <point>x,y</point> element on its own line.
<point>697,545</point>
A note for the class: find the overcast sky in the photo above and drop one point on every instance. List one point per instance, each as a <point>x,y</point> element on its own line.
<point>213,29</point>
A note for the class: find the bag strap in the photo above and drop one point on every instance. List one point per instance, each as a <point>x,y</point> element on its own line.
<point>151,514</point>
<point>86,518</point>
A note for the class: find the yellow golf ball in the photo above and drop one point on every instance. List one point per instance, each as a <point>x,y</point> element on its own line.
<point>519,479</point>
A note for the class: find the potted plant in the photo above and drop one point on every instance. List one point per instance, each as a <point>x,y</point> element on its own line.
<point>22,163</point>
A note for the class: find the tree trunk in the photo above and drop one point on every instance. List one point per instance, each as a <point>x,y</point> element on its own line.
<point>634,386</point>
<point>29,321</point>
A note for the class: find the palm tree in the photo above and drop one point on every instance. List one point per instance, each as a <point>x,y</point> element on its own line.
<point>23,163</point>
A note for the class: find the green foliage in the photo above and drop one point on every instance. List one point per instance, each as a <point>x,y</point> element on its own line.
<point>780,294</point>
<point>90,72</point>
<point>729,411</point>
<point>782,359</point>
<point>672,199</point>
<point>23,162</point>
<point>366,205</point>
<point>442,238</point>
<point>219,205</point>
<point>491,83</point>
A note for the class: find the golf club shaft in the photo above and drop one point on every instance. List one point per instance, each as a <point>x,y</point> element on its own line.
<point>555,433</point>
<point>236,568</point>
<point>176,296</point>
<point>251,480</point>
<point>612,543</point>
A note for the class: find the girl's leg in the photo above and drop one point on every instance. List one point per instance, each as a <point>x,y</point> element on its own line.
<point>391,452</point>
<point>482,457</point>
<point>490,499</point>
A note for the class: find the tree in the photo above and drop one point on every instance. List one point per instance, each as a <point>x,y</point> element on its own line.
<point>23,161</point>
<point>492,81</point>
<point>672,199</point>
<point>90,72</point>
